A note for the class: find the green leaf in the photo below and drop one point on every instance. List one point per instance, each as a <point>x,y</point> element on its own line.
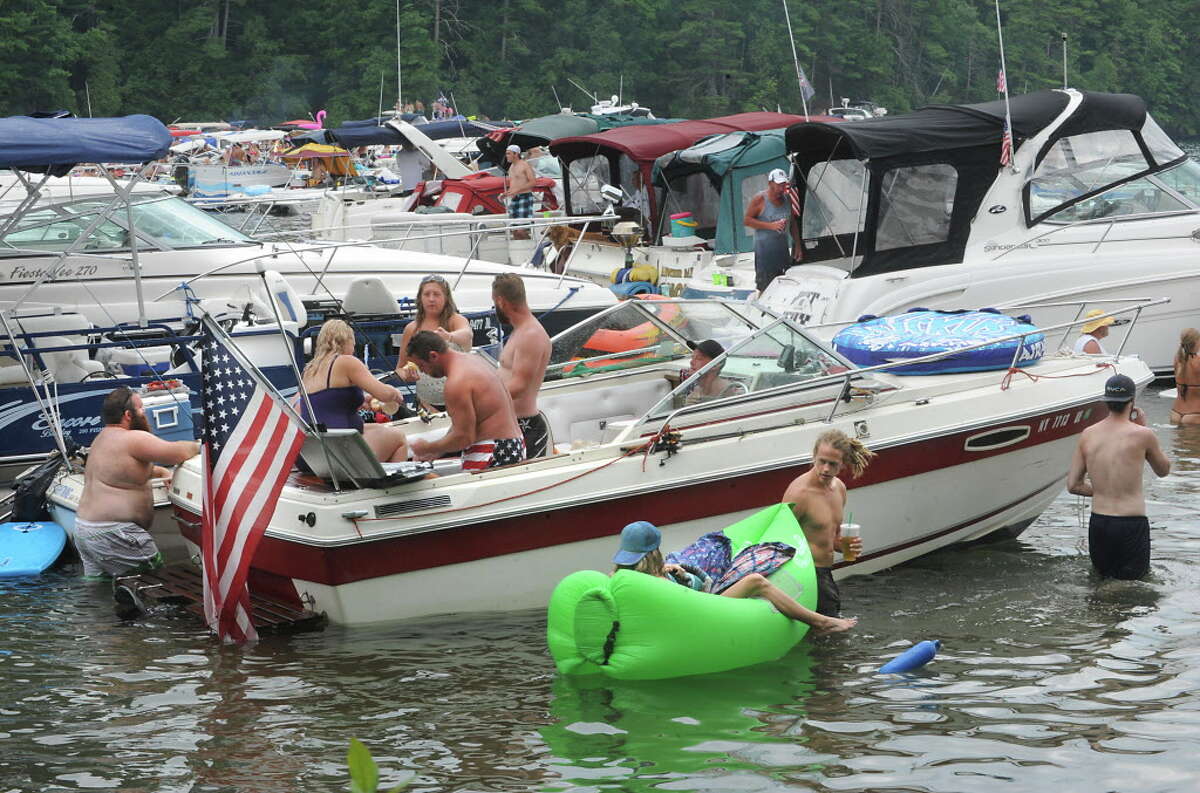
<point>364,773</point>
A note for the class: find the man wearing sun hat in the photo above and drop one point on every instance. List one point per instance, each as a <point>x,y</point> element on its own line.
<point>776,235</point>
<point>1108,467</point>
<point>1092,332</point>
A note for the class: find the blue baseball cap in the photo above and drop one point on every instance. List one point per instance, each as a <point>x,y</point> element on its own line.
<point>637,539</point>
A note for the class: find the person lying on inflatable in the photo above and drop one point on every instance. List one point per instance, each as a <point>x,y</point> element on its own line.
<point>640,552</point>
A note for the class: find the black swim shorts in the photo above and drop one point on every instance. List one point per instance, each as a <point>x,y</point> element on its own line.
<point>829,599</point>
<point>1119,545</point>
<point>537,435</point>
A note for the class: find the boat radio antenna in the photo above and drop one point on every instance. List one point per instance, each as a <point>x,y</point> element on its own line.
<point>595,99</point>
<point>557,102</point>
<point>1064,42</point>
<point>800,79</point>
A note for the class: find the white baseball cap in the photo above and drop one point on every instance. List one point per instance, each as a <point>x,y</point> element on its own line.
<point>777,175</point>
<point>514,148</point>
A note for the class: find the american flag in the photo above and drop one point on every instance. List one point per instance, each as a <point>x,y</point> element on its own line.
<point>794,199</point>
<point>1001,83</point>
<point>248,448</point>
<point>1006,146</point>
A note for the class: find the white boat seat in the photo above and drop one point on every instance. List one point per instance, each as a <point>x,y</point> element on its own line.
<point>585,413</point>
<point>370,295</point>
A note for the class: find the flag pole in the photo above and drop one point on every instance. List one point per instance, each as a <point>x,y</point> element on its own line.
<point>312,425</point>
<point>795,59</point>
<point>1064,45</point>
<point>1004,69</point>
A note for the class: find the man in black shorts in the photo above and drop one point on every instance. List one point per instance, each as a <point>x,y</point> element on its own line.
<point>1111,453</point>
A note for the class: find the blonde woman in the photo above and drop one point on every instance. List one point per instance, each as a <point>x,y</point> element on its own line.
<point>335,381</point>
<point>1186,409</point>
<point>436,312</point>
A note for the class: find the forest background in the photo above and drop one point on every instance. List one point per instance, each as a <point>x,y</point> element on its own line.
<point>269,61</point>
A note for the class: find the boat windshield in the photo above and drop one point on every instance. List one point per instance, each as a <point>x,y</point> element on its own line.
<point>622,337</point>
<point>1082,166</point>
<point>1175,189</point>
<point>160,221</point>
<point>779,355</point>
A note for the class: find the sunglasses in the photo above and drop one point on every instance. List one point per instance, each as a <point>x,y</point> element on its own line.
<point>434,279</point>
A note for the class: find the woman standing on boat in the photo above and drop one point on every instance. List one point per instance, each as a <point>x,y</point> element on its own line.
<point>776,236</point>
<point>436,312</point>
<point>1186,409</point>
<point>335,381</point>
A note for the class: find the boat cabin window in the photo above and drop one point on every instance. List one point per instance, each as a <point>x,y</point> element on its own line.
<point>1141,196</point>
<point>694,193</point>
<point>1161,147</point>
<point>53,232</point>
<point>1184,179</point>
<point>751,186</point>
<point>915,203</point>
<point>832,215</point>
<point>451,199</point>
<point>585,177</point>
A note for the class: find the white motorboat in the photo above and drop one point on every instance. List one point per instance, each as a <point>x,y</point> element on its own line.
<point>917,211</point>
<point>633,445</point>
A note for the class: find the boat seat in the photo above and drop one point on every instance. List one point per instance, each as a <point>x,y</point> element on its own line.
<point>68,366</point>
<point>584,414</point>
<point>370,295</point>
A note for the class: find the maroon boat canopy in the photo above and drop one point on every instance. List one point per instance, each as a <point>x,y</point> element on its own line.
<point>643,145</point>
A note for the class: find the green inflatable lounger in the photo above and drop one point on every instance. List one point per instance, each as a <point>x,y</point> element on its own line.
<point>633,626</point>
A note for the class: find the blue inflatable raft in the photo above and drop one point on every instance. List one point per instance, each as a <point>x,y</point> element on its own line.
<point>919,332</point>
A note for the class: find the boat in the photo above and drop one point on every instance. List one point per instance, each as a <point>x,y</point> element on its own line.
<point>632,626</point>
<point>916,210</point>
<point>614,157</point>
<point>630,445</point>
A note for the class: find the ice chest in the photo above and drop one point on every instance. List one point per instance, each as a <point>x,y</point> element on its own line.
<point>141,362</point>
<point>170,414</point>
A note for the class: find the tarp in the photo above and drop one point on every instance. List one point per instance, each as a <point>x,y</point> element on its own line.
<point>377,121</point>
<point>314,151</point>
<point>536,132</point>
<point>58,144</point>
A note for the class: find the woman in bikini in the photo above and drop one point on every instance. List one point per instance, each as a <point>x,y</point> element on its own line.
<point>435,311</point>
<point>335,381</point>
<point>1186,409</point>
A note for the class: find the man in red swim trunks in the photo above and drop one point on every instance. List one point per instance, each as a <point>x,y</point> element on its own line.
<point>483,424</point>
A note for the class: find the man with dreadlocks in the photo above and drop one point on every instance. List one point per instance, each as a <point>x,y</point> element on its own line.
<point>818,499</point>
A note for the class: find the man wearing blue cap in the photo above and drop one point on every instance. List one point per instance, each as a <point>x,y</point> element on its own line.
<point>639,551</point>
<point>1111,453</point>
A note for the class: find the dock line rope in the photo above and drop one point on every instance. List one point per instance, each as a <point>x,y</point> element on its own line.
<point>1006,381</point>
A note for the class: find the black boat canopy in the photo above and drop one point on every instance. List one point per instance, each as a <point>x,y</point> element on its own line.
<point>56,145</point>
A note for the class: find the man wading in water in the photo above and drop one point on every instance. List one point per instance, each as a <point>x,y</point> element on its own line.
<point>1111,453</point>
<point>818,499</point>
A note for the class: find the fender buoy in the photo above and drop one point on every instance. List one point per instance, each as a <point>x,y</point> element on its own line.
<point>913,658</point>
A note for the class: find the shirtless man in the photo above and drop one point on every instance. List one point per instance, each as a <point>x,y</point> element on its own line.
<point>116,507</point>
<point>818,499</point>
<point>711,385</point>
<point>520,189</point>
<point>483,424</point>
<point>523,360</point>
<point>1111,452</point>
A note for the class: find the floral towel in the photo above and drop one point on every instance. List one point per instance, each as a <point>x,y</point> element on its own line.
<point>764,558</point>
<point>711,554</point>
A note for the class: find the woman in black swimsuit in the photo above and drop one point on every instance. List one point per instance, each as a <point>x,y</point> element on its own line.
<point>335,381</point>
<point>1186,409</point>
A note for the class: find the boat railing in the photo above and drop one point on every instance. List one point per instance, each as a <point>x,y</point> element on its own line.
<point>845,378</point>
<point>1105,221</point>
<point>333,247</point>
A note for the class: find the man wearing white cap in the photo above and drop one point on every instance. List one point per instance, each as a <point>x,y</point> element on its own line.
<point>776,235</point>
<point>520,188</point>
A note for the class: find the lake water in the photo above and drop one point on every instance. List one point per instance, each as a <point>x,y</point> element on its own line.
<point>1049,680</point>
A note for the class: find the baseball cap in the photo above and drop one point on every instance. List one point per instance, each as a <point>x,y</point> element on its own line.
<point>709,347</point>
<point>637,539</point>
<point>1096,324</point>
<point>1119,388</point>
<point>514,148</point>
<point>777,175</point>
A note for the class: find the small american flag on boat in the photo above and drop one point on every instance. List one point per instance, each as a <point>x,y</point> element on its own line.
<point>794,199</point>
<point>250,442</point>
<point>1001,83</point>
<point>1006,145</point>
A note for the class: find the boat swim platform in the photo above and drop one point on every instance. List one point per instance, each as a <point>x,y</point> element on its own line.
<point>181,585</point>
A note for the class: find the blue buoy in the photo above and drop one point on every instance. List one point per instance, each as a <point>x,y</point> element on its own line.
<point>913,658</point>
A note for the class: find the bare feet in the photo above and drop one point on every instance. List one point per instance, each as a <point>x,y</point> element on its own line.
<point>834,625</point>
